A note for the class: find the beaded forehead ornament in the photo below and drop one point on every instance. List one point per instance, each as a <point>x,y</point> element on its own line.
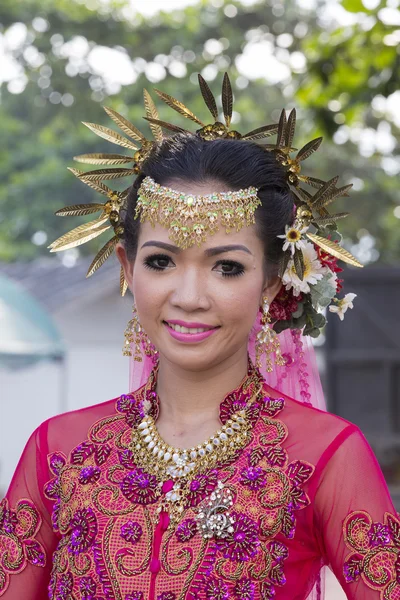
<point>187,217</point>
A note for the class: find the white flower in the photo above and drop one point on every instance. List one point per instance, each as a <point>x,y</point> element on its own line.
<point>293,237</point>
<point>342,305</point>
<point>333,279</point>
<point>313,271</point>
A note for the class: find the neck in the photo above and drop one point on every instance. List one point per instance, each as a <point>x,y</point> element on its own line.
<point>187,397</point>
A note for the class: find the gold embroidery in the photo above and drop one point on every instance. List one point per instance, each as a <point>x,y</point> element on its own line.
<point>146,560</point>
<point>223,566</point>
<point>375,552</point>
<point>183,555</point>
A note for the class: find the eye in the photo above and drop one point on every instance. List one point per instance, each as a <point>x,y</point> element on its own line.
<point>230,268</point>
<point>157,262</point>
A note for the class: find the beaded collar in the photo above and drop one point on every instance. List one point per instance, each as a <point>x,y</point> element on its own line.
<point>145,400</point>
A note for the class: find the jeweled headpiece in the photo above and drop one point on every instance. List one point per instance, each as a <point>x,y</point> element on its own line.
<point>188,217</point>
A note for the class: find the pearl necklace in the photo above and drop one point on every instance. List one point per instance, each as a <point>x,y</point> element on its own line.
<point>162,460</point>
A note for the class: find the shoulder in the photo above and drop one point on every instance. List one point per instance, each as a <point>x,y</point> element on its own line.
<point>63,432</point>
<point>315,435</point>
<point>307,417</point>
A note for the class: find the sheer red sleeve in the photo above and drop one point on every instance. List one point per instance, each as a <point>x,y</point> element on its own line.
<point>358,527</point>
<point>26,537</point>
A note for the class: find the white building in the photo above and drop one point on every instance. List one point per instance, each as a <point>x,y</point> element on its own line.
<point>91,317</point>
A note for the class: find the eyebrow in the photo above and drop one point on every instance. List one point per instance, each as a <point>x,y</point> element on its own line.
<point>209,252</point>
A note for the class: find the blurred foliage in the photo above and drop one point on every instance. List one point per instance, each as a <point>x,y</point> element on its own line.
<point>346,67</point>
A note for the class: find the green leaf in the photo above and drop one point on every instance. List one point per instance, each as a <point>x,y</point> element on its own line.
<point>322,292</point>
<point>313,332</point>
<point>299,311</point>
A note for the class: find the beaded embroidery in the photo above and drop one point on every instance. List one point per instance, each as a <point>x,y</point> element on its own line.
<point>375,552</point>
<point>113,542</point>
<point>18,546</point>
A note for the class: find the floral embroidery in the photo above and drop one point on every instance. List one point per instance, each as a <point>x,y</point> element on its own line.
<point>126,459</point>
<point>18,546</point>
<point>279,553</point>
<point>89,475</point>
<point>87,588</point>
<point>375,552</point>
<point>140,487</point>
<point>136,406</point>
<point>282,493</point>
<point>186,530</point>
<point>253,477</point>
<point>244,589</point>
<point>243,541</point>
<point>216,589</point>
<point>84,531</point>
<point>201,487</point>
<point>131,532</point>
<point>64,586</point>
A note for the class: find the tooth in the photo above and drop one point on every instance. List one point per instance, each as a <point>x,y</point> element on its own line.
<point>181,329</point>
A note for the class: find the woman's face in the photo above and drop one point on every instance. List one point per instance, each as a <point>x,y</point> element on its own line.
<point>216,288</point>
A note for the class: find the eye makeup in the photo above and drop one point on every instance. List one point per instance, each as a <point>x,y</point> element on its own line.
<point>161,262</point>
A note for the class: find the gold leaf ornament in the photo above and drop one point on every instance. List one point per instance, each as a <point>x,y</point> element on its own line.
<point>334,249</point>
<point>178,106</point>
<point>80,235</point>
<point>111,136</point>
<point>151,111</point>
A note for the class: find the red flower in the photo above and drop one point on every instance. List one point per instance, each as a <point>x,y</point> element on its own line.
<point>327,260</point>
<point>284,305</point>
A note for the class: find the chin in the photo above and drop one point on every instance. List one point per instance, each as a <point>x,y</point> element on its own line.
<point>199,358</point>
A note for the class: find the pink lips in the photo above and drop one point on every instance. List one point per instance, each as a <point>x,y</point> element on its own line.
<point>190,337</point>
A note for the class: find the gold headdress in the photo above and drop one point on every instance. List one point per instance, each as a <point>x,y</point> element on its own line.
<point>189,218</point>
<point>311,208</point>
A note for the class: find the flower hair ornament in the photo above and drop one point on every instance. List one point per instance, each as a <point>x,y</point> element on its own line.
<point>311,243</point>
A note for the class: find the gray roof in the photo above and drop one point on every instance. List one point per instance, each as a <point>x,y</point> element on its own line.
<point>55,285</point>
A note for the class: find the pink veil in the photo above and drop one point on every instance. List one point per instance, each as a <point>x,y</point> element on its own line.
<point>298,379</point>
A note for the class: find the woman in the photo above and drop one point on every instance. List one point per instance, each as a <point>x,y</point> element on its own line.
<point>206,482</point>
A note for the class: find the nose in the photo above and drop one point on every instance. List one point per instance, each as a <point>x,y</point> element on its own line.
<point>190,292</point>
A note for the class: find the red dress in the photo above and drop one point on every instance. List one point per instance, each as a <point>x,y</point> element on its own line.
<point>80,519</point>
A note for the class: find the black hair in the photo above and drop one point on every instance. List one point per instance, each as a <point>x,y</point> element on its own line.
<point>237,164</point>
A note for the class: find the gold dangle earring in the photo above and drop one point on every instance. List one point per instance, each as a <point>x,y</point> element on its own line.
<point>267,341</point>
<point>134,334</point>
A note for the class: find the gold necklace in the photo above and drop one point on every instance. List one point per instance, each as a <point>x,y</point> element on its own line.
<point>155,456</point>
<point>166,462</point>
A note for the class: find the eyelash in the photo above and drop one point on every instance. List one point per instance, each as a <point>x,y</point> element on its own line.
<point>149,263</point>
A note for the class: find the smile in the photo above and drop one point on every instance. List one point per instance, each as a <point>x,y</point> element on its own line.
<point>197,332</point>
<point>181,329</point>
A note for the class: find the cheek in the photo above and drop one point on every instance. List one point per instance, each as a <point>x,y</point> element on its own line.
<point>239,301</point>
<point>148,295</point>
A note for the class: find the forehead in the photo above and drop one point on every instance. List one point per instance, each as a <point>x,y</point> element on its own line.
<point>197,188</point>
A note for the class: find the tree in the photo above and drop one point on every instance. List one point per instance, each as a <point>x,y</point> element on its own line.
<point>62,81</point>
